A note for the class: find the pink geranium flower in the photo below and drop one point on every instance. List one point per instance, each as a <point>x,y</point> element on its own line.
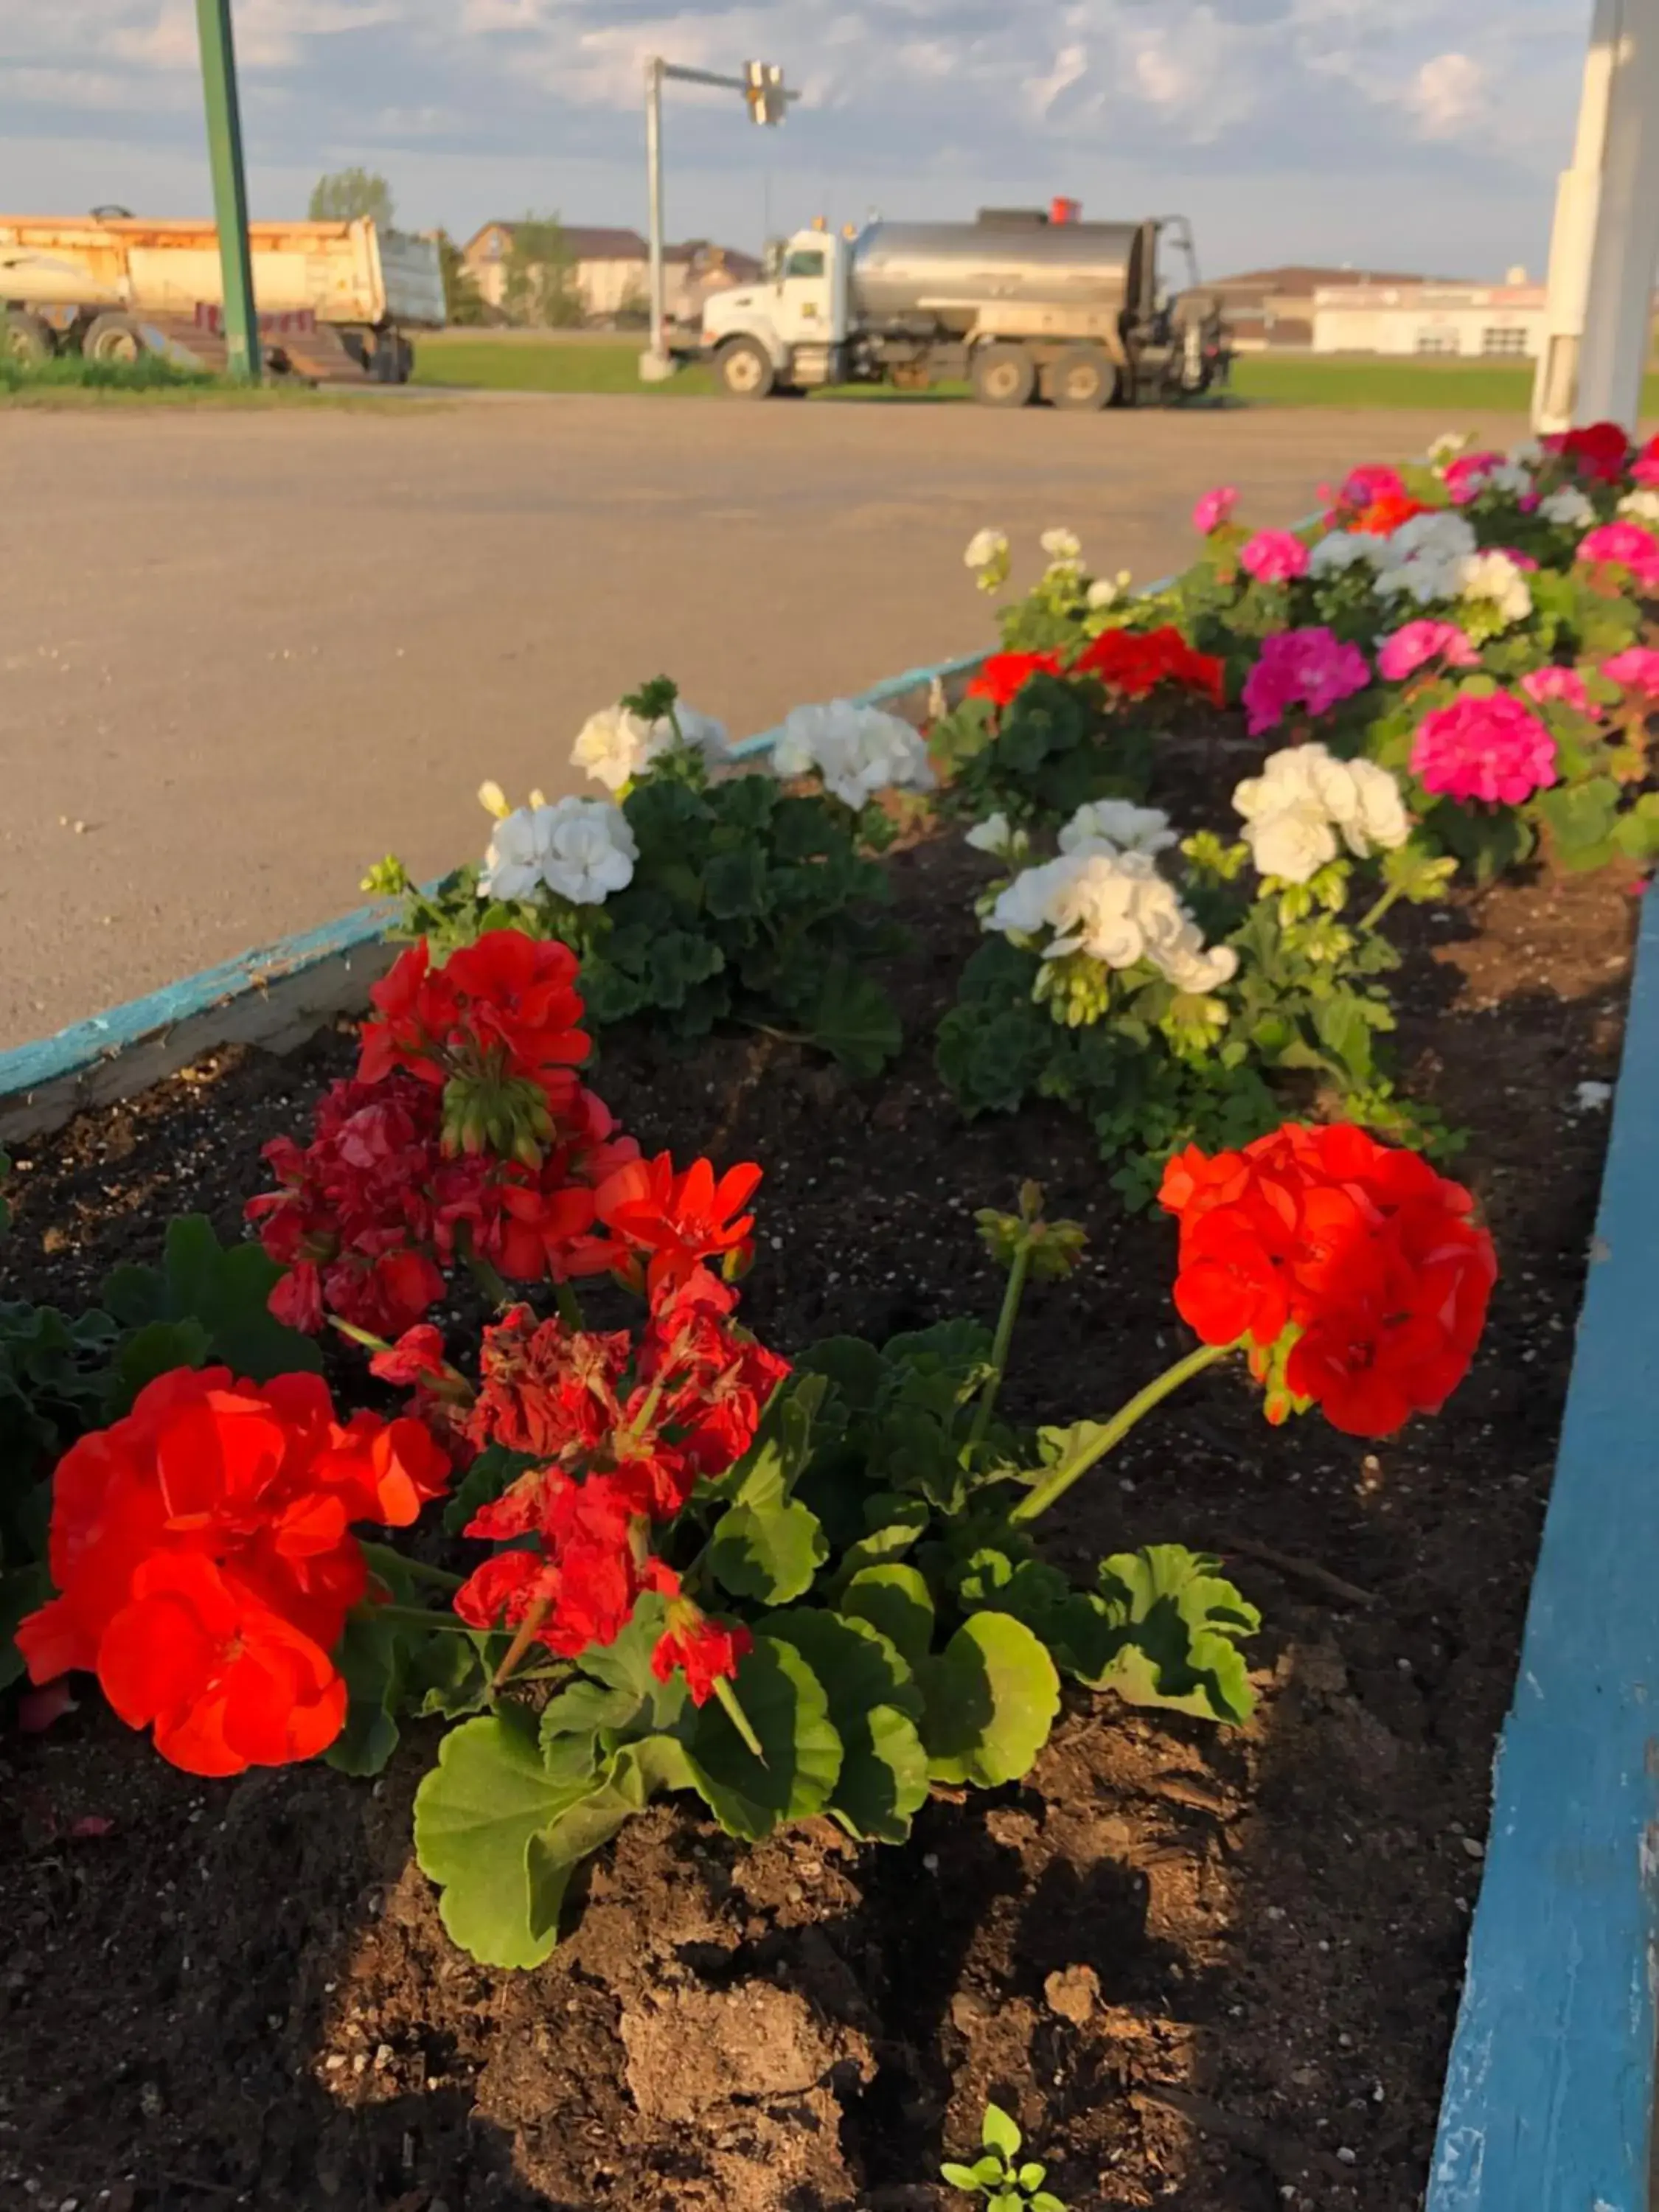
<point>1493,748</point>
<point>1416,643</point>
<point>1644,469</point>
<point>1274,556</point>
<point>1566,685</point>
<point>1636,669</point>
<point>1466,476</point>
<point>1215,510</point>
<point>1309,668</point>
<point>1627,545</point>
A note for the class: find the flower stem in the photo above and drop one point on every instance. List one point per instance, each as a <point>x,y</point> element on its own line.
<point>569,1306</point>
<point>1109,1434</point>
<point>489,1280</point>
<point>1014,1291</point>
<point>414,1616</point>
<point>386,1561</point>
<point>1369,921</point>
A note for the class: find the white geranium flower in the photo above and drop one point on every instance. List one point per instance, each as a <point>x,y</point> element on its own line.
<point>1379,822</point>
<point>1423,560</point>
<point>985,548</point>
<point>1094,911</point>
<point>1193,967</point>
<point>614,745</point>
<point>1529,453</point>
<point>1063,547</point>
<point>1340,549</point>
<point>1507,475</point>
<point>1117,825</point>
<point>1493,578</point>
<point>589,850</point>
<point>1639,506</point>
<point>1106,591</point>
<point>703,733</point>
<point>854,751</point>
<point>993,835</point>
<point>1294,843</point>
<point>512,864</point>
<point>1571,510</point>
<point>1114,907</point>
<point>1021,908</point>
<point>1294,808</point>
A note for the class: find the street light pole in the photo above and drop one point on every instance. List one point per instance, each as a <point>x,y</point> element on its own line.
<point>224,130</point>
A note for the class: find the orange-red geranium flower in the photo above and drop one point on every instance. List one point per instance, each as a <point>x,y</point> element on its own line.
<point>680,1220</point>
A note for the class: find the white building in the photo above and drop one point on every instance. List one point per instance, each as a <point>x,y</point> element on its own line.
<point>1491,322</point>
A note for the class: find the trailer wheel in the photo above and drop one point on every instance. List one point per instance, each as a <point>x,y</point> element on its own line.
<point>113,337</point>
<point>26,338</point>
<point>745,369</point>
<point>1004,376</point>
<point>1084,379</point>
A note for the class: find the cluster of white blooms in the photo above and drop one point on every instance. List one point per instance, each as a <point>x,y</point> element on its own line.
<point>997,836</point>
<point>1107,591</point>
<point>1063,547</point>
<point>1507,476</point>
<point>1116,908</point>
<point>1569,509</point>
<point>1639,506</point>
<point>855,750</point>
<point>582,848</point>
<point>1423,559</point>
<point>616,745</point>
<point>1342,549</point>
<point>989,556</point>
<point>1494,578</point>
<point>1117,825</point>
<point>1295,811</point>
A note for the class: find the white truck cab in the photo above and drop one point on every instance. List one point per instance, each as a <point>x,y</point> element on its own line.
<point>789,330</point>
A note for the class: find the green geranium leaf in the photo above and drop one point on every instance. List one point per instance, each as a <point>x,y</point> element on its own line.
<point>1178,1625</point>
<point>787,1707</point>
<point>226,1290</point>
<point>370,1658</point>
<point>767,1552</point>
<point>854,1021</point>
<point>154,1350</point>
<point>493,1471</point>
<point>734,883</point>
<point>22,1591</point>
<point>896,1600</point>
<point>475,1814</point>
<point>552,1854</point>
<point>991,1697</point>
<point>852,1367</point>
<point>874,1705</point>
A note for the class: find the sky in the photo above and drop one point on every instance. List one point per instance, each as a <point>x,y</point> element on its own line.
<point>1409,134</point>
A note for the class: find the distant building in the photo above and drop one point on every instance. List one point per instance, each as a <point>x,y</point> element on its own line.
<point>1490,322</point>
<point>610,268</point>
<point>1275,307</point>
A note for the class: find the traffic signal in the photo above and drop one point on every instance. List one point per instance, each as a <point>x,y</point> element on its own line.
<point>762,88</point>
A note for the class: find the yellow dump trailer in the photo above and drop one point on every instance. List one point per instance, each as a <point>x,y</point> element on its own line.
<point>328,294</point>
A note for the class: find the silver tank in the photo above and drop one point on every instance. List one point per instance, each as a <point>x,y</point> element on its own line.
<point>943,272</point>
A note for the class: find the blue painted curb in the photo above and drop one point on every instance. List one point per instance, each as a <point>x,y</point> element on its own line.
<point>58,1060</point>
<point>1548,2104</point>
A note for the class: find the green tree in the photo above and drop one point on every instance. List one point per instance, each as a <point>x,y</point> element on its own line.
<point>463,301</point>
<point>348,193</point>
<point>539,285</point>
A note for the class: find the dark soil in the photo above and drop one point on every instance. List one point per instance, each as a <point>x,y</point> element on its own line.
<point>1206,1970</point>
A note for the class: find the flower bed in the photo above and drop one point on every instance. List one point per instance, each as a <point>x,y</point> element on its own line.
<point>1188,1957</point>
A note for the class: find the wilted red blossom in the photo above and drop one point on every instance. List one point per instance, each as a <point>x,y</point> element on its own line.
<point>1600,451</point>
<point>506,1006</point>
<point>680,1219</point>
<point>707,1651</point>
<point>202,1551</point>
<point>1351,1263</point>
<point>1135,662</point>
<point>1003,676</point>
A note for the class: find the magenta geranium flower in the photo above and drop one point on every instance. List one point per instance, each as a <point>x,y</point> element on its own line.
<point>1416,643</point>
<point>1541,685</point>
<point>1629,545</point>
<point>1466,476</point>
<point>1636,669</point>
<point>1309,668</point>
<point>1274,556</point>
<point>1493,748</point>
<point>1215,510</point>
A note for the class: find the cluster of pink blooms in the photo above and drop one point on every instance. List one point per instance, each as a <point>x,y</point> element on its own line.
<point>1310,668</point>
<point>1628,545</point>
<point>1215,510</point>
<point>1274,556</point>
<point>1636,669</point>
<point>1565,686</point>
<point>1417,643</point>
<point>1465,476</point>
<point>1493,748</point>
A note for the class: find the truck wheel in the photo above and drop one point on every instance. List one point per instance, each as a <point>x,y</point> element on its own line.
<point>1084,379</point>
<point>1004,376</point>
<point>113,337</point>
<point>26,338</point>
<point>745,369</point>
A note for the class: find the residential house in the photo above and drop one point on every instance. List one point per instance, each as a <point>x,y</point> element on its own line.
<point>610,269</point>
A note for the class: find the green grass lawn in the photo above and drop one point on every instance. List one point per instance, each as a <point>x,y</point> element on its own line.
<point>601,363</point>
<point>150,381</point>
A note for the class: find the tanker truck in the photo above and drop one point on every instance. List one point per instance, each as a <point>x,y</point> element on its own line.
<point>1019,304</point>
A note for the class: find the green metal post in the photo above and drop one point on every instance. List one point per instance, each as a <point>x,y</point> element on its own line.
<point>224,129</point>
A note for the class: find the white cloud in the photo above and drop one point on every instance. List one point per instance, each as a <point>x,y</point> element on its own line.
<point>1449,94</point>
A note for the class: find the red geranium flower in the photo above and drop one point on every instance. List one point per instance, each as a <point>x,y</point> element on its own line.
<point>1601,450</point>
<point>706,1651</point>
<point>680,1219</point>
<point>1135,662</point>
<point>1003,676</point>
<point>1357,1275</point>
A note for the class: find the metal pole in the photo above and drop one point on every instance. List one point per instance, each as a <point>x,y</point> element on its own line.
<point>1606,240</point>
<point>224,130</point>
<point>655,364</point>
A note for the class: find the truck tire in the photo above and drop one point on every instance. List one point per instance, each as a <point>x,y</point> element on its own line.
<point>113,337</point>
<point>1004,376</point>
<point>745,369</point>
<point>26,338</point>
<point>1084,379</point>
